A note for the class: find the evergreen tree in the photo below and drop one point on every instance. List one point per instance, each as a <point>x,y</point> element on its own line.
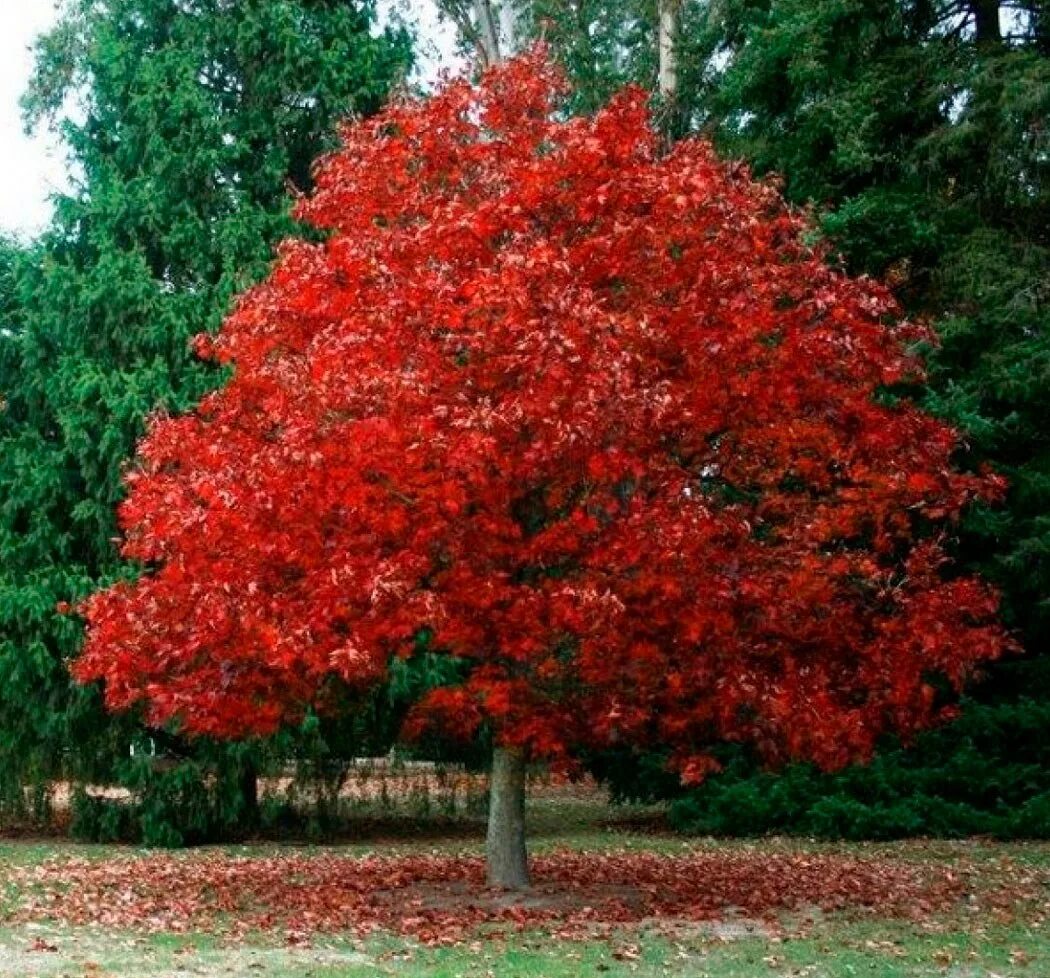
<point>187,122</point>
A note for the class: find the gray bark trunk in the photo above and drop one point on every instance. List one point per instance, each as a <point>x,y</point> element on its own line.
<point>508,861</point>
<point>511,27</point>
<point>488,33</point>
<point>667,40</point>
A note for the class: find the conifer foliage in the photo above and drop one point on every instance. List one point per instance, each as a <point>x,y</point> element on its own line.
<point>594,418</point>
<point>185,121</point>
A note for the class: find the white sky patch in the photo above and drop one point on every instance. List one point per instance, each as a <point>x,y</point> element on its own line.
<point>31,167</point>
<point>436,41</point>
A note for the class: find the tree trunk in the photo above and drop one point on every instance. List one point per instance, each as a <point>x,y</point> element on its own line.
<point>249,785</point>
<point>508,861</point>
<point>671,117</point>
<point>667,40</point>
<point>511,27</point>
<point>986,23</point>
<point>488,33</point>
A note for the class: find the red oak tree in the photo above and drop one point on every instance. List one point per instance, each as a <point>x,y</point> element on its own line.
<point>595,416</point>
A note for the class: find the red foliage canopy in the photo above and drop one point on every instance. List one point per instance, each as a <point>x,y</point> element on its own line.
<point>594,415</point>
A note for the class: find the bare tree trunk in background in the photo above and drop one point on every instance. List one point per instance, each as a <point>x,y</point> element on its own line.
<point>488,33</point>
<point>986,22</point>
<point>667,42</point>
<point>478,27</point>
<point>671,117</point>
<point>495,29</point>
<point>511,26</point>
<point>508,861</point>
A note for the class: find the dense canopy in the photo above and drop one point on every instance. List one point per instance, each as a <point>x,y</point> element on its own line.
<point>591,417</point>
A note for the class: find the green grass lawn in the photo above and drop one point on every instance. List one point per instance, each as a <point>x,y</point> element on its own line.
<point>998,928</point>
<point>836,950</point>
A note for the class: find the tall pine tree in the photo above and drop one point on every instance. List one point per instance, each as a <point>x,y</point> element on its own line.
<point>187,123</point>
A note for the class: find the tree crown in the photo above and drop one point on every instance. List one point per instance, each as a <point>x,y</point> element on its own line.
<point>590,418</point>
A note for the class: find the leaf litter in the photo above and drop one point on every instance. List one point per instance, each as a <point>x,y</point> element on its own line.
<point>442,899</point>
